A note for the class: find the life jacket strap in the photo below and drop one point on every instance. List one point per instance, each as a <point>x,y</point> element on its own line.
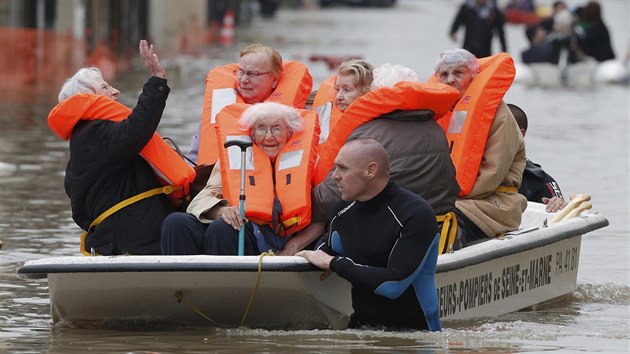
<point>448,233</point>
<point>506,189</point>
<point>131,200</point>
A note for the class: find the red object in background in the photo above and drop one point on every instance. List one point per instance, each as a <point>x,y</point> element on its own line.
<point>524,17</point>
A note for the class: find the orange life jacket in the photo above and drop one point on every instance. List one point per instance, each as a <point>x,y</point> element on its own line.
<point>327,112</point>
<point>468,125</point>
<point>168,166</point>
<point>404,96</point>
<point>326,92</point>
<point>285,205</point>
<point>293,89</point>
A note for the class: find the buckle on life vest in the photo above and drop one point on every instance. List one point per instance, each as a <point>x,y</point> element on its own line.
<point>448,233</point>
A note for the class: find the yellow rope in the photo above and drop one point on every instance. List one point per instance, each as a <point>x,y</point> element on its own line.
<point>180,295</point>
<point>251,299</point>
<point>180,298</point>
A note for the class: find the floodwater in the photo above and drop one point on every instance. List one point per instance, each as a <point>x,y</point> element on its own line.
<point>579,135</point>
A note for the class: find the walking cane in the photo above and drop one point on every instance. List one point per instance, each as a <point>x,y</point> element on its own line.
<point>243,145</point>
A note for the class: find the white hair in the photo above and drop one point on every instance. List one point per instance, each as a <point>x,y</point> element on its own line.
<point>288,114</point>
<point>458,57</point>
<point>388,75</point>
<point>84,81</point>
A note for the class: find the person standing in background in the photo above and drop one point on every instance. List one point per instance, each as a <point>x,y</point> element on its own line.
<point>481,19</point>
<point>592,34</point>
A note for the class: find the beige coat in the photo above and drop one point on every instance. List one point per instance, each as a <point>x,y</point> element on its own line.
<point>502,164</point>
<point>209,197</point>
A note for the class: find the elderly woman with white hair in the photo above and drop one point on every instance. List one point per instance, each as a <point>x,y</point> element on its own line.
<point>107,170</point>
<point>493,206</point>
<point>211,223</point>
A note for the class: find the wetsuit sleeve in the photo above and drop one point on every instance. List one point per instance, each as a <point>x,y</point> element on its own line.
<point>414,241</point>
<point>325,246</point>
<point>129,136</point>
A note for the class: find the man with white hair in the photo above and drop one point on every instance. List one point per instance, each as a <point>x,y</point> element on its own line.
<point>493,206</point>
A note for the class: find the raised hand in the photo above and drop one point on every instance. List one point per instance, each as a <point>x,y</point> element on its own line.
<point>150,60</point>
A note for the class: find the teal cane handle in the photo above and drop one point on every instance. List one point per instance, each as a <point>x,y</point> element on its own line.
<point>243,145</point>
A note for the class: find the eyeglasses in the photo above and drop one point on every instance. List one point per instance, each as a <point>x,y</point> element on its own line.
<point>275,131</point>
<point>239,73</point>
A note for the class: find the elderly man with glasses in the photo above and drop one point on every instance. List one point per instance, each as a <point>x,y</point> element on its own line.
<point>259,76</point>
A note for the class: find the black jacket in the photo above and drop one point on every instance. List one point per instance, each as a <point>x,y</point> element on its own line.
<point>594,40</point>
<point>537,184</point>
<point>479,31</point>
<point>105,168</point>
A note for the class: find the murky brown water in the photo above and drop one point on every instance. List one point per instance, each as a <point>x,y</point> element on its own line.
<point>579,135</point>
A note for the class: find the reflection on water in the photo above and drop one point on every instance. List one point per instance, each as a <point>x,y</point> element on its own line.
<point>580,136</point>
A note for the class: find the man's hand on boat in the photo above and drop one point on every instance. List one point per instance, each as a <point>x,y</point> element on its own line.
<point>320,259</point>
<point>554,204</point>
<point>150,60</point>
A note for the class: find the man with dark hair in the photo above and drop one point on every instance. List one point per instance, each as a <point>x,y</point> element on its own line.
<point>539,51</point>
<point>537,185</point>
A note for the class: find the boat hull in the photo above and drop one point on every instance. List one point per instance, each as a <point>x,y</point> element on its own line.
<point>509,283</point>
<point>282,300</point>
<point>498,276</point>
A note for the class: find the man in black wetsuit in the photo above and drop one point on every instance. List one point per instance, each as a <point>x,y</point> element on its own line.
<point>383,239</point>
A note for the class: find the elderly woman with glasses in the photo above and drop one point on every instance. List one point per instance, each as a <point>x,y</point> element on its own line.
<point>210,225</point>
<point>259,75</point>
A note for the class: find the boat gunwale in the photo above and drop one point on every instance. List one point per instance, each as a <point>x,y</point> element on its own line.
<point>487,250</point>
<point>460,259</point>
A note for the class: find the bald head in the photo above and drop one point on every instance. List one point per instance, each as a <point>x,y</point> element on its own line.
<point>361,169</point>
<point>367,151</point>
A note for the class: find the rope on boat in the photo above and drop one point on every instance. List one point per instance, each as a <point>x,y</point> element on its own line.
<point>180,298</point>
<point>179,295</point>
<point>251,299</point>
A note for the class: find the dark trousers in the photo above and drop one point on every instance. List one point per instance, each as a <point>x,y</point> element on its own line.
<point>183,234</point>
<point>469,231</point>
